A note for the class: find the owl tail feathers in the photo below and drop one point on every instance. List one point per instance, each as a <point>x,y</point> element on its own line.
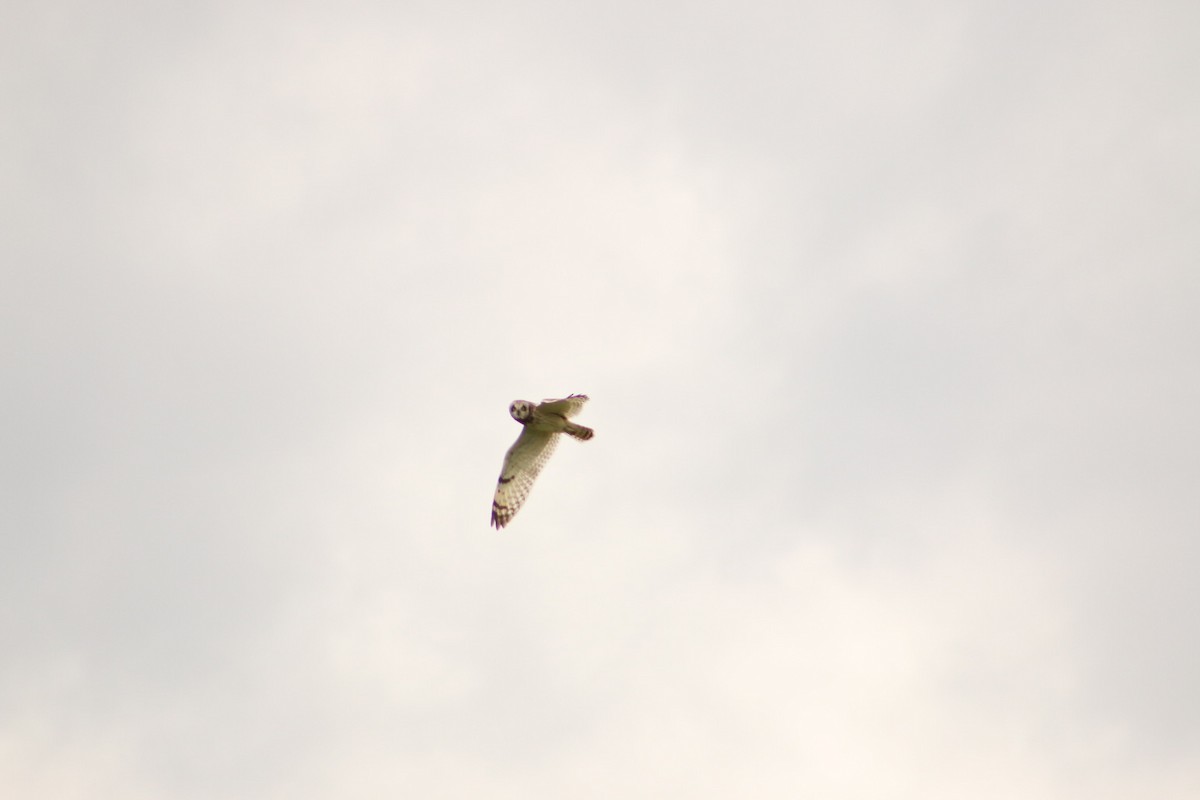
<point>579,431</point>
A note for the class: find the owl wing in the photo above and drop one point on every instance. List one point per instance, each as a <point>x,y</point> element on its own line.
<point>522,463</point>
<point>568,406</point>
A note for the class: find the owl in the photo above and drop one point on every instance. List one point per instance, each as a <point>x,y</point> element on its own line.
<point>542,423</point>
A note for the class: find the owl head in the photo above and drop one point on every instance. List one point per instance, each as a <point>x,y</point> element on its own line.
<point>521,410</point>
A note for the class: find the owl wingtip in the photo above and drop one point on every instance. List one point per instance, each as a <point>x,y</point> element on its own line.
<point>499,521</point>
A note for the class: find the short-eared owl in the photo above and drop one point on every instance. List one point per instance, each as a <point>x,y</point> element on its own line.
<point>542,423</point>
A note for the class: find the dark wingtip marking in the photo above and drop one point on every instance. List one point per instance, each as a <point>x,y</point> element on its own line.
<point>506,480</point>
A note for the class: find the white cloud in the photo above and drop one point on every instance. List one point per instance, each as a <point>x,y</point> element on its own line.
<point>887,321</point>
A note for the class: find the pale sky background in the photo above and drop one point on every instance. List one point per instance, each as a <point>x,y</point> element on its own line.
<point>889,317</point>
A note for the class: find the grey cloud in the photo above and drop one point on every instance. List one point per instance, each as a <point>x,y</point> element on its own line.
<point>887,321</point>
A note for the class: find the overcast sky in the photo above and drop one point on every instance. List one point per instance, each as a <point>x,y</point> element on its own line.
<point>889,317</point>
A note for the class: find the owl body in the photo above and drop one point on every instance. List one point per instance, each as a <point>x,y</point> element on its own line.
<point>541,425</point>
<point>550,416</point>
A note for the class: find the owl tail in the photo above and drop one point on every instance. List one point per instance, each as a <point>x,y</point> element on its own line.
<point>579,431</point>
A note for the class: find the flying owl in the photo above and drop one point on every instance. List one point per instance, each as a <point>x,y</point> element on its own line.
<point>542,423</point>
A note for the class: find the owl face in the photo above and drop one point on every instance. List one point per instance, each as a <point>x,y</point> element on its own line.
<point>521,410</point>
